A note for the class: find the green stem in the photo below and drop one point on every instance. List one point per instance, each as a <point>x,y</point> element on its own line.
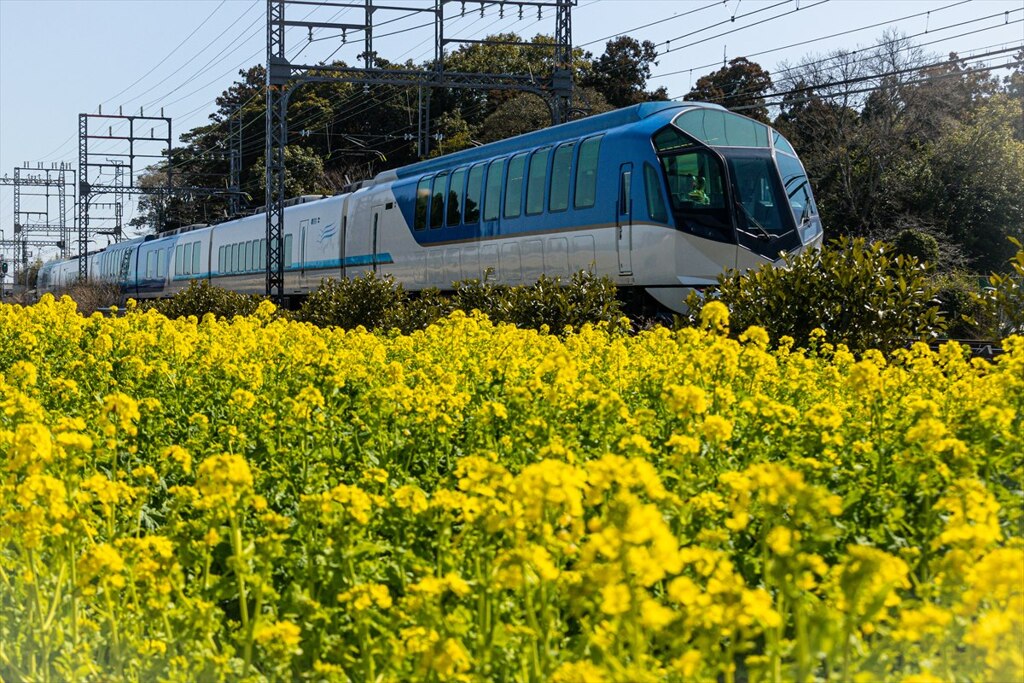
<point>730,660</point>
<point>55,600</point>
<point>115,634</point>
<point>777,634</point>
<point>37,598</point>
<point>531,619</point>
<point>243,598</point>
<point>74,596</point>
<point>803,658</point>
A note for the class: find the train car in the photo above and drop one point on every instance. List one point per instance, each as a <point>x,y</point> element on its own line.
<point>661,197</point>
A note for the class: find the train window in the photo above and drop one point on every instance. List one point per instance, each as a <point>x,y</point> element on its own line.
<point>247,264</point>
<point>492,199</point>
<point>755,190</point>
<point>196,268</point>
<point>798,190</point>
<point>437,201</point>
<point>669,139</point>
<point>697,193</point>
<point>287,250</point>
<point>177,259</point>
<point>234,258</point>
<point>186,266</point>
<point>455,193</point>
<point>161,263</point>
<point>422,202</point>
<point>474,187</point>
<point>782,144</point>
<point>560,167</point>
<point>718,127</point>
<point>537,179</point>
<point>514,186</point>
<point>694,180</point>
<point>655,199</point>
<point>586,173</point>
<point>263,254</point>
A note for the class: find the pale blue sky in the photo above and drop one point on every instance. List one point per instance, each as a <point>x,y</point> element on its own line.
<point>59,58</point>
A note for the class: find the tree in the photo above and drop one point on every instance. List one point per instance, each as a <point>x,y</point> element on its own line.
<point>622,72</point>
<point>847,138</point>
<point>970,182</point>
<point>741,86</point>
<point>303,174</point>
<point>527,112</point>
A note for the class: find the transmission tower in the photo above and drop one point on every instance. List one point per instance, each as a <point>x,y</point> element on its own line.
<point>283,78</point>
<point>132,146</point>
<point>38,225</point>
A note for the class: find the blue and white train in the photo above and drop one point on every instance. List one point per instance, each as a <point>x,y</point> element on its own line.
<point>661,197</point>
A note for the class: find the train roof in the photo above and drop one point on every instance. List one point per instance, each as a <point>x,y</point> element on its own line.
<point>546,136</point>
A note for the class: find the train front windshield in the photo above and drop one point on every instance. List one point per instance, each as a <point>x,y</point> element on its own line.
<point>766,194</point>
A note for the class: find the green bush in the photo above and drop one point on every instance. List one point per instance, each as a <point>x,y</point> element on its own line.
<point>378,303</point>
<point>584,299</point>
<point>491,300</point>
<point>856,292</point>
<point>917,244</point>
<point>201,298</point>
<point>373,302</point>
<point>960,304</point>
<point>422,309</point>
<point>1003,300</point>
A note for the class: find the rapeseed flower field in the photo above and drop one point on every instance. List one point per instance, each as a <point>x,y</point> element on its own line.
<point>260,499</point>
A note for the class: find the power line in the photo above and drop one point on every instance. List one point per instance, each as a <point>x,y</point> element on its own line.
<point>843,33</point>
<point>628,31</point>
<point>711,26</point>
<point>880,45</point>
<point>171,53</point>
<point>845,93</point>
<point>741,28</point>
<point>248,143</point>
<point>815,89</point>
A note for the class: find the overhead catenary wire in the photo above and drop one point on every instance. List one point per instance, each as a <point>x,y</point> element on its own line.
<point>732,20</point>
<point>171,53</point>
<point>342,116</point>
<point>835,35</point>
<point>629,31</point>
<point>860,91</point>
<point>818,89</point>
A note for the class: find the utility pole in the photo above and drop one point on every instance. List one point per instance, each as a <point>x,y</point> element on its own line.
<point>235,157</point>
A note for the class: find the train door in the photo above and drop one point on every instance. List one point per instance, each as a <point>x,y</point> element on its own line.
<point>378,213</point>
<point>124,271</point>
<point>303,225</point>
<point>624,219</point>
